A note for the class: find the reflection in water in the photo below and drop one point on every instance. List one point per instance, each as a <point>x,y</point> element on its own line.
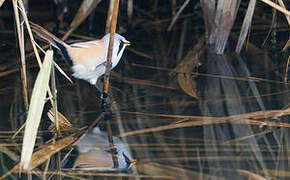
<point>234,95</point>
<point>200,150</point>
<point>95,154</point>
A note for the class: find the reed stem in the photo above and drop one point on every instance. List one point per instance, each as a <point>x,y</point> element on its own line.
<point>106,81</point>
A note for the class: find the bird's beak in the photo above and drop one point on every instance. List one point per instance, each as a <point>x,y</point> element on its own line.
<point>127,43</point>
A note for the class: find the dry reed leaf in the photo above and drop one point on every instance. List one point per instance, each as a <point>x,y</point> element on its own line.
<point>216,158</point>
<point>187,84</point>
<point>35,109</point>
<point>246,24</point>
<point>190,62</point>
<point>64,123</point>
<point>276,6</point>
<point>11,154</point>
<point>5,73</point>
<point>250,175</point>
<point>248,118</point>
<point>152,168</point>
<point>85,9</point>
<point>47,151</point>
<point>236,140</point>
<point>42,155</point>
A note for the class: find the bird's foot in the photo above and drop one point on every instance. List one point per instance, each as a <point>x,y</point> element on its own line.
<point>105,100</point>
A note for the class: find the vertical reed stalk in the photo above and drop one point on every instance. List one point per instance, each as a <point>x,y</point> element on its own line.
<point>84,11</point>
<point>173,8</point>
<point>130,7</point>
<point>54,109</point>
<point>286,72</point>
<point>246,25</point>
<point>107,78</point>
<point>54,99</point>
<point>110,50</point>
<point>22,10</point>
<point>109,17</point>
<point>22,53</point>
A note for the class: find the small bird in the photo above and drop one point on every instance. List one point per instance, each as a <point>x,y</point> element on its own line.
<point>87,59</point>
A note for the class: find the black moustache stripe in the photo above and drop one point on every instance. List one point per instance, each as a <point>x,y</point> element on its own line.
<point>120,47</point>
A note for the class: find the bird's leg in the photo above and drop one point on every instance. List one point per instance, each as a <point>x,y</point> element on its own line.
<point>105,64</point>
<point>107,98</point>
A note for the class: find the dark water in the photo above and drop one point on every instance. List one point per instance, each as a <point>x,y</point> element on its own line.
<point>217,136</point>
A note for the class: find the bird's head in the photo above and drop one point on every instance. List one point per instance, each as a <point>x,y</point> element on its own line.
<point>120,44</point>
<point>118,39</point>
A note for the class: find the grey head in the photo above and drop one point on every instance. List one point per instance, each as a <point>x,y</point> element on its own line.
<point>120,44</point>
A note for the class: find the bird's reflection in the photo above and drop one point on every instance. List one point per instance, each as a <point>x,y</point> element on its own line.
<point>94,153</point>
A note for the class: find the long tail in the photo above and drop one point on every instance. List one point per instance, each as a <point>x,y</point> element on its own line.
<point>51,39</point>
<point>45,35</point>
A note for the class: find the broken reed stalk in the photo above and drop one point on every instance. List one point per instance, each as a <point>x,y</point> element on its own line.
<point>107,78</point>
<point>84,11</point>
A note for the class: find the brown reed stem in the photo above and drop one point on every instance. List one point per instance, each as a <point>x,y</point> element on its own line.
<point>106,81</point>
